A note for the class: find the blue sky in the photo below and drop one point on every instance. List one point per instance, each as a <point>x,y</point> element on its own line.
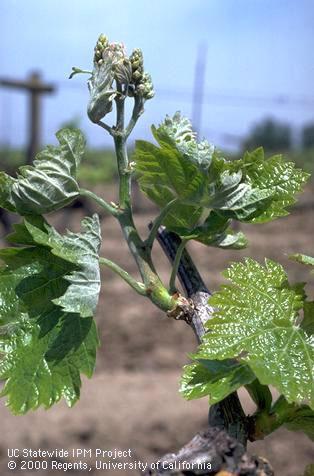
<point>259,60</point>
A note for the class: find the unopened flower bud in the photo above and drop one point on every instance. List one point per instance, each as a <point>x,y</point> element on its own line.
<point>136,56</point>
<point>136,59</point>
<point>102,38</point>
<point>140,89</point>
<point>137,76</point>
<point>150,94</point>
<point>101,45</point>
<point>135,64</point>
<point>146,87</point>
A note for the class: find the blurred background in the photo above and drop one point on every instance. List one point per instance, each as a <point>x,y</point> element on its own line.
<point>243,71</point>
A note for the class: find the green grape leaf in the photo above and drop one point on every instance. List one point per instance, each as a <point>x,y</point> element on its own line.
<point>80,249</point>
<point>177,133</point>
<point>40,369</point>
<point>227,240</point>
<point>293,416</point>
<point>302,420</point>
<point>272,185</point>
<point>309,470</point>
<point>50,183</point>
<point>183,167</point>
<point>215,231</point>
<point>47,339</point>
<point>280,178</point>
<point>213,378</point>
<point>153,166</point>
<point>237,199</point>
<point>251,189</point>
<point>179,169</point>
<point>100,86</point>
<point>307,323</point>
<point>257,322</point>
<point>6,184</point>
<point>167,168</point>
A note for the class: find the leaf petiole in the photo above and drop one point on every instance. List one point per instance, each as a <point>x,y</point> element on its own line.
<point>158,222</point>
<point>137,286</point>
<point>105,205</point>
<point>107,128</point>
<point>137,112</point>
<point>79,71</point>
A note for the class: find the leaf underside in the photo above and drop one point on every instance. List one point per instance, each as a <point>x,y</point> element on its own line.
<point>50,183</point>
<point>213,378</point>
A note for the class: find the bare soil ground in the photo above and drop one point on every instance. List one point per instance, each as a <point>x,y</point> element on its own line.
<point>132,401</point>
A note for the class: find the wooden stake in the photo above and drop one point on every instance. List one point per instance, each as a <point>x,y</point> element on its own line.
<point>35,88</point>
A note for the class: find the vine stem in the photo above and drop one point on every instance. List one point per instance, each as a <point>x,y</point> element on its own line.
<point>176,264</point>
<point>137,286</point>
<point>194,309</point>
<point>227,414</point>
<point>122,155</point>
<point>124,172</point>
<point>105,205</point>
<point>154,287</point>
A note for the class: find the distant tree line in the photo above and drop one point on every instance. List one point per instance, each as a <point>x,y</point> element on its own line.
<point>275,136</point>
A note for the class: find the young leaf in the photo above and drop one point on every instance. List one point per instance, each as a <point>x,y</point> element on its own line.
<point>214,378</point>
<point>101,89</point>
<point>282,179</point>
<point>293,417</point>
<point>302,420</point>
<point>309,470</point>
<point>6,184</point>
<point>167,168</point>
<point>47,337</point>
<point>227,240</point>
<point>50,183</point>
<point>307,323</point>
<point>179,169</point>
<point>41,368</point>
<point>177,133</point>
<point>215,231</point>
<point>236,198</point>
<point>257,323</point>
<point>79,249</point>
<point>252,189</point>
